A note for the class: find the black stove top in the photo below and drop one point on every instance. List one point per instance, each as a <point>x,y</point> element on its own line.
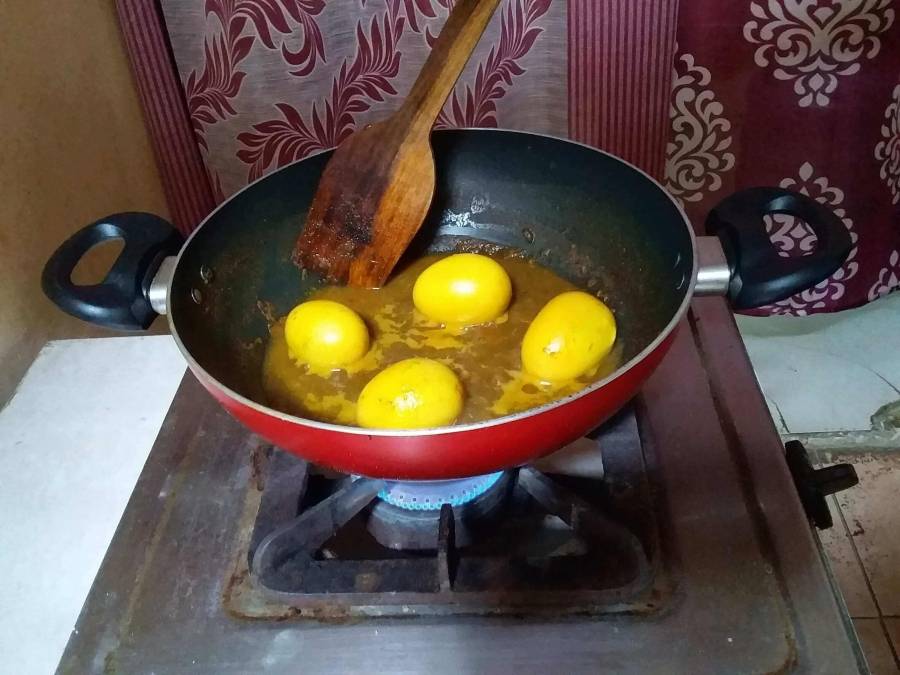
<point>691,554</point>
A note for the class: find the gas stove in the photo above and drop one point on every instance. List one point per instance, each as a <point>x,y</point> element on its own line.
<point>670,540</point>
<point>580,540</point>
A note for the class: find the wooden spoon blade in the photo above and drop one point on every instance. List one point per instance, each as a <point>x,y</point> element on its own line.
<point>371,200</point>
<point>378,185</point>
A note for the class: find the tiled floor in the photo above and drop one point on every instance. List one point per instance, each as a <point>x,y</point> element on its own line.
<point>864,548</point>
<point>878,652</point>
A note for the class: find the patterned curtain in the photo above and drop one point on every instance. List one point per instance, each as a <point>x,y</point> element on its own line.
<point>271,81</point>
<point>707,96</point>
<point>805,95</point>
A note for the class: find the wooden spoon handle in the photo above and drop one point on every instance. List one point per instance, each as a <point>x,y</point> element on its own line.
<point>444,65</point>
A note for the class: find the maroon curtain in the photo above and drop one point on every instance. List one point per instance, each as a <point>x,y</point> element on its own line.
<point>799,93</point>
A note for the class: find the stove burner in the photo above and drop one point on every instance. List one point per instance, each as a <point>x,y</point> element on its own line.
<point>430,495</point>
<point>407,515</point>
<point>520,541</point>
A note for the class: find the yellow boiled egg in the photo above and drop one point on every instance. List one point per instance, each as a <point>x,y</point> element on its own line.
<point>568,337</point>
<point>325,334</point>
<point>416,393</point>
<point>463,289</point>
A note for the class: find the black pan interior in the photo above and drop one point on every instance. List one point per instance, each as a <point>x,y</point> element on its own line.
<point>585,214</point>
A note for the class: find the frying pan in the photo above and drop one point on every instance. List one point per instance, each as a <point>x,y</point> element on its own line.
<point>588,215</point>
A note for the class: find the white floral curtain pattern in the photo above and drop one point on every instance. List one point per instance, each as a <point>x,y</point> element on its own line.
<point>804,94</point>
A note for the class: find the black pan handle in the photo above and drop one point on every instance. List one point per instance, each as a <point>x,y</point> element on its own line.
<point>759,276</point>
<point>121,299</point>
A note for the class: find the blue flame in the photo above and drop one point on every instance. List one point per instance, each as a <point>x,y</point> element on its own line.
<point>430,495</point>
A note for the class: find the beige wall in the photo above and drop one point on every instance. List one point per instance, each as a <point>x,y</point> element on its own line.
<point>73,148</point>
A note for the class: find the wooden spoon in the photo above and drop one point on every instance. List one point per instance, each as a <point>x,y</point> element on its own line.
<point>378,184</point>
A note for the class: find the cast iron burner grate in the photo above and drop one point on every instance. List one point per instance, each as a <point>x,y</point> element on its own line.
<point>520,542</point>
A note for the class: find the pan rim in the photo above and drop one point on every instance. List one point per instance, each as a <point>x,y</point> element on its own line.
<point>621,371</point>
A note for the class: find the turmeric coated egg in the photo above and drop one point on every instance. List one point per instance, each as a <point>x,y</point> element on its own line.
<point>416,393</point>
<point>463,289</point>
<point>325,334</point>
<point>568,337</point>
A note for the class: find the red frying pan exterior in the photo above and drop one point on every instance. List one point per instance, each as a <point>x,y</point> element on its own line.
<point>453,454</point>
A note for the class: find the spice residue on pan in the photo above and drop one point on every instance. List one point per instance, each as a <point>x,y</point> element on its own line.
<point>485,357</point>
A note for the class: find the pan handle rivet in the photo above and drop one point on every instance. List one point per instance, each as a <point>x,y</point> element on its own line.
<point>528,234</point>
<point>206,274</point>
<point>196,295</point>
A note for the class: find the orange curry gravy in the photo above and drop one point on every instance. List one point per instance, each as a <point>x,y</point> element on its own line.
<point>485,357</point>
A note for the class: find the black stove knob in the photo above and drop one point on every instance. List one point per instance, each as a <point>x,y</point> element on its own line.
<point>813,485</point>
